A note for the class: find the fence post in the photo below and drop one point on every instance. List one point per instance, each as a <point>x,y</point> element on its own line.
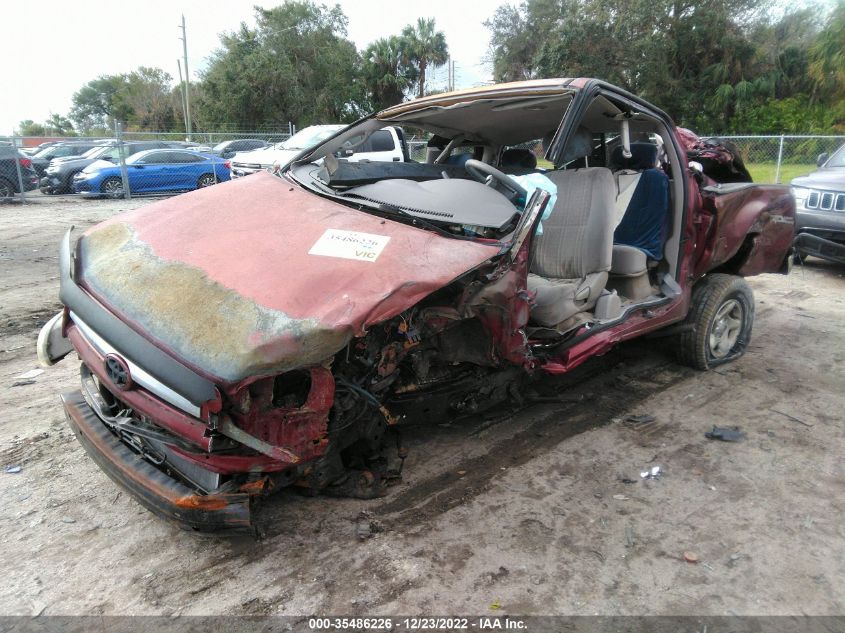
<point>121,152</point>
<point>17,159</point>
<point>780,158</point>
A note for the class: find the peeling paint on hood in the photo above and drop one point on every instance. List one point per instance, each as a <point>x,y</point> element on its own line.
<point>224,279</point>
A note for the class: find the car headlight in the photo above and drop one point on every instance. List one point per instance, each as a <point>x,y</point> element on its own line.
<point>800,193</point>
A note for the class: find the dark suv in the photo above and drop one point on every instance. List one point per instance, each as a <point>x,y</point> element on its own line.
<point>9,183</point>
<point>227,149</point>
<point>820,206</point>
<point>42,159</point>
<point>58,177</point>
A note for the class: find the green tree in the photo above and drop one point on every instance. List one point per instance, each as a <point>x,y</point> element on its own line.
<point>295,65</point>
<point>827,56</point>
<point>59,125</point>
<point>387,72</point>
<point>28,127</point>
<point>95,104</point>
<point>424,46</point>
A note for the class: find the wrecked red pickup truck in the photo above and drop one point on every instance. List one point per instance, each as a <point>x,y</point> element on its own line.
<point>276,331</point>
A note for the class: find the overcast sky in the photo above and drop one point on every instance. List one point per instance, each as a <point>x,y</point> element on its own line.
<point>53,47</point>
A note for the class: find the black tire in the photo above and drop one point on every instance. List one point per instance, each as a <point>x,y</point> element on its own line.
<point>112,187</point>
<point>68,188</point>
<point>721,315</point>
<point>7,189</point>
<point>206,180</point>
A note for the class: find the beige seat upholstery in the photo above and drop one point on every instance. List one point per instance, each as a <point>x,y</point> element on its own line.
<point>572,257</point>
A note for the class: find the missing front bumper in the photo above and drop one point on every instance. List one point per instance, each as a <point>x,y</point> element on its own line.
<point>155,490</point>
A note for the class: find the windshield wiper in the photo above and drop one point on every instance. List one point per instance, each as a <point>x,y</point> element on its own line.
<point>386,207</point>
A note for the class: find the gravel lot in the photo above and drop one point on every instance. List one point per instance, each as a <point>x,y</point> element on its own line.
<point>524,512</point>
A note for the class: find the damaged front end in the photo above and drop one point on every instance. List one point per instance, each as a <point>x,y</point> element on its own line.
<point>199,416</point>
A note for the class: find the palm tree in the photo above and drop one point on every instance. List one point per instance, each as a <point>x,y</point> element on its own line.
<point>827,54</point>
<point>387,72</point>
<point>424,46</point>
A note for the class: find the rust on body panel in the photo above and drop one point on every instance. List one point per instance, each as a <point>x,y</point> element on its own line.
<point>223,278</point>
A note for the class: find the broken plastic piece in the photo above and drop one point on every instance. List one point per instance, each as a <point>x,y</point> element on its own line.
<point>652,473</point>
<point>726,434</point>
<point>640,419</point>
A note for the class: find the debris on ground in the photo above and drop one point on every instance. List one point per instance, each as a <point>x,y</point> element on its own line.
<point>652,473</point>
<point>626,480</point>
<point>620,497</point>
<point>639,419</point>
<point>791,417</point>
<point>365,527</point>
<point>725,434</point>
<point>630,539</point>
<point>13,469</point>
<point>691,557</point>
<point>26,378</point>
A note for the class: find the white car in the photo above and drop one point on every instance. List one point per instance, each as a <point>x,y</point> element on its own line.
<point>383,145</point>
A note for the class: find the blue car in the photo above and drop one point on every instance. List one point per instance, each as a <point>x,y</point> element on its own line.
<point>152,171</point>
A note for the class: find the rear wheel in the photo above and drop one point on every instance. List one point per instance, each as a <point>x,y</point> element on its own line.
<point>721,317</point>
<point>206,180</point>
<point>7,190</point>
<point>112,187</point>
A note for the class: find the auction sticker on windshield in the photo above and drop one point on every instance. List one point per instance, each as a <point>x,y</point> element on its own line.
<point>350,245</point>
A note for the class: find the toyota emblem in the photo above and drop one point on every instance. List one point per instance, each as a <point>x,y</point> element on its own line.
<point>118,372</point>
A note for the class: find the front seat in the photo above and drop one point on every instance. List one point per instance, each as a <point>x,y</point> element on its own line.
<point>571,258</point>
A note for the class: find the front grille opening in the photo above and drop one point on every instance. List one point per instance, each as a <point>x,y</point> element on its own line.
<point>827,201</point>
<point>840,202</point>
<point>290,390</point>
<point>813,200</point>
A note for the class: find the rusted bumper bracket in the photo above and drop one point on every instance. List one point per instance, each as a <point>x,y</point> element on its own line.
<point>155,490</point>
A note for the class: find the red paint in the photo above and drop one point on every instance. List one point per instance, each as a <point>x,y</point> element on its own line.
<point>252,235</point>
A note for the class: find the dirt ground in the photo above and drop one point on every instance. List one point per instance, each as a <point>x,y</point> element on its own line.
<point>518,513</point>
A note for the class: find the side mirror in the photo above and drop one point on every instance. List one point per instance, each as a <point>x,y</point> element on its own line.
<point>822,159</point>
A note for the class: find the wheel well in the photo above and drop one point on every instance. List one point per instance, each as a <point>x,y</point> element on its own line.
<point>735,263</point>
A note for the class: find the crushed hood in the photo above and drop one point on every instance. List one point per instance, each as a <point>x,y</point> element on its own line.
<point>257,276</point>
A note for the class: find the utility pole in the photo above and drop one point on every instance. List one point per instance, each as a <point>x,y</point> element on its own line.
<point>184,39</point>
<point>182,90</point>
<point>452,64</point>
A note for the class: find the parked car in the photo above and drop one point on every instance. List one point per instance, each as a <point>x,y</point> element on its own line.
<point>383,145</point>
<point>58,177</point>
<point>41,160</point>
<point>820,217</point>
<point>280,154</point>
<point>9,181</point>
<point>153,171</point>
<point>227,149</point>
<point>278,331</point>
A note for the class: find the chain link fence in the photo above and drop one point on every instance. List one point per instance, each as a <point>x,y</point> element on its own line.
<point>779,159</point>
<point>163,163</point>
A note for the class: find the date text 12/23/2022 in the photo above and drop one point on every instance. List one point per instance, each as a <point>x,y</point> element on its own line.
<point>479,623</point>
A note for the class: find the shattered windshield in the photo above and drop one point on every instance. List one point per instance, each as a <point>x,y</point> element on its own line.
<point>469,165</point>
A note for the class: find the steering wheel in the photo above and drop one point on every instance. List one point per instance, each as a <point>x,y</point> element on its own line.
<point>492,177</point>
